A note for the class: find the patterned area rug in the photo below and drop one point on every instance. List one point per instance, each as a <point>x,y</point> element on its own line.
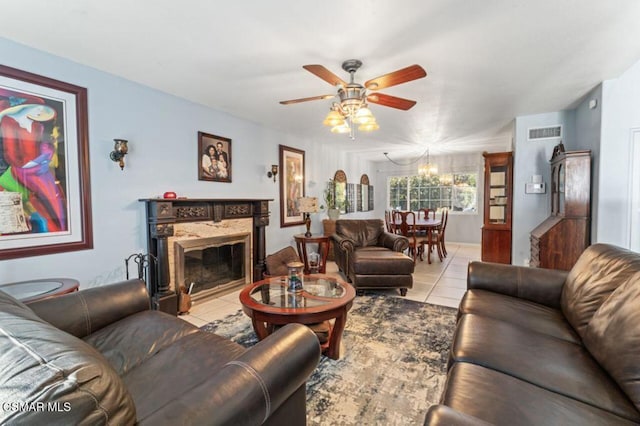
<point>392,367</point>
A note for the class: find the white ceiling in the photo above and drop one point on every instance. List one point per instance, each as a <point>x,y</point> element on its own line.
<point>487,61</point>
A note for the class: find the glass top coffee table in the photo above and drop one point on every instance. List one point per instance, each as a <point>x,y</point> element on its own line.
<point>269,304</point>
<point>30,291</point>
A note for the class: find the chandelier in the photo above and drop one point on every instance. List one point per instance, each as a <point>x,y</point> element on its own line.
<point>428,169</point>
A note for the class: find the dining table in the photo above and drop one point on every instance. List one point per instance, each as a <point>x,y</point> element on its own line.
<point>421,223</point>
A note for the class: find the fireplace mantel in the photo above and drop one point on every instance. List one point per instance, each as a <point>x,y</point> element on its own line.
<point>163,213</point>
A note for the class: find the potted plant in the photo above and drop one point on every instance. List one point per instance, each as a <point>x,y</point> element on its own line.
<point>333,210</point>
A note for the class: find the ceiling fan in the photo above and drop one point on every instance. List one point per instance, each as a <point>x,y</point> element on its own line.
<point>353,96</point>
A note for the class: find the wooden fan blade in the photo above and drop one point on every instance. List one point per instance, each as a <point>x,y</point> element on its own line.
<point>391,101</point>
<point>404,75</point>
<point>312,98</point>
<point>325,74</point>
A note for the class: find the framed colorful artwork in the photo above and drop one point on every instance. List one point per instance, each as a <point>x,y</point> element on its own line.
<point>45,194</point>
<point>291,185</point>
<point>214,158</point>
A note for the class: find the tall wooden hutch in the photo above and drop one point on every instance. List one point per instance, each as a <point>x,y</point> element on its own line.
<point>558,241</point>
<point>498,201</point>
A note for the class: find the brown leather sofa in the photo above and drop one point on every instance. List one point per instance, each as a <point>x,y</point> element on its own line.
<point>370,257</point>
<point>100,356</point>
<point>547,347</point>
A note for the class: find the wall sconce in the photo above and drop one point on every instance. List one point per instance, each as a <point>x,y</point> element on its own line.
<point>274,172</point>
<point>120,149</point>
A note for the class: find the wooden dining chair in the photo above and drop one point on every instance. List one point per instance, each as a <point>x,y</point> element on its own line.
<point>405,223</point>
<point>435,237</point>
<point>425,213</point>
<point>444,220</point>
<point>388,221</point>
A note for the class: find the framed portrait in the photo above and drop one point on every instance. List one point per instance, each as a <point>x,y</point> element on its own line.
<point>45,194</point>
<point>214,158</point>
<point>291,185</point>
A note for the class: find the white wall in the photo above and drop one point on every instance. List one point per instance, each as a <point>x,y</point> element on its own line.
<point>588,133</point>
<point>162,133</point>
<point>620,116</point>
<point>532,158</point>
<point>461,228</point>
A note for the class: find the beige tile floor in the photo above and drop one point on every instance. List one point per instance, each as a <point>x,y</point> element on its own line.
<point>440,283</point>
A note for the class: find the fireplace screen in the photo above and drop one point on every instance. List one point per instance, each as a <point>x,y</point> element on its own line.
<point>212,266</point>
<point>206,265</point>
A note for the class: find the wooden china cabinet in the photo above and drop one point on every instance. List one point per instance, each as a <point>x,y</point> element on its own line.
<point>498,201</point>
<point>558,241</point>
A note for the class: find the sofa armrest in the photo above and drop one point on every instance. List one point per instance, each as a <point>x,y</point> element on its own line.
<point>441,415</point>
<point>393,242</point>
<point>250,388</point>
<point>535,284</point>
<point>345,244</point>
<point>85,311</point>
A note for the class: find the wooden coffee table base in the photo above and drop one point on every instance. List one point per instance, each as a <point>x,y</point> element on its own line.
<point>324,298</point>
<point>265,324</point>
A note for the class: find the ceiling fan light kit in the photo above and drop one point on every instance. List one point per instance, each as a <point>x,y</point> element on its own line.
<point>353,110</point>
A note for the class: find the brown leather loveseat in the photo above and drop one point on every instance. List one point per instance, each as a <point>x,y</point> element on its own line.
<point>370,257</point>
<point>547,347</point>
<point>100,356</point>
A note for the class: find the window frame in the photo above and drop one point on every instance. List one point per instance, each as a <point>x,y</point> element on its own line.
<point>419,190</point>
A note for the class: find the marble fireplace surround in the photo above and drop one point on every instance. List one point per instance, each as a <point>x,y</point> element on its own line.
<point>170,220</point>
<point>190,234</point>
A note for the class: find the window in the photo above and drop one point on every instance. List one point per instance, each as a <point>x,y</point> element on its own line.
<point>455,191</point>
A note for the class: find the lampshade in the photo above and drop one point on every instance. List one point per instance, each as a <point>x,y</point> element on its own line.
<point>368,127</point>
<point>342,128</point>
<point>308,205</point>
<point>364,116</point>
<point>333,118</point>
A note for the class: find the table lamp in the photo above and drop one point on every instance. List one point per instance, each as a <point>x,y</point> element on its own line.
<point>308,205</point>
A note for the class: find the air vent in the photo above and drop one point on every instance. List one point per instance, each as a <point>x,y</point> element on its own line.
<point>552,132</point>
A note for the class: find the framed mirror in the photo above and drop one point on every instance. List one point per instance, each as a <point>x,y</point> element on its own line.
<point>340,180</point>
<point>364,193</point>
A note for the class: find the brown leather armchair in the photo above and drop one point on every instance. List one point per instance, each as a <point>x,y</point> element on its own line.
<point>276,263</point>
<point>370,257</point>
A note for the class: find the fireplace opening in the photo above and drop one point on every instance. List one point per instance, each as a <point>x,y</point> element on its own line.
<point>208,266</point>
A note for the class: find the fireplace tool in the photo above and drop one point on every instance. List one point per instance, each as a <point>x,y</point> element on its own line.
<point>144,262</point>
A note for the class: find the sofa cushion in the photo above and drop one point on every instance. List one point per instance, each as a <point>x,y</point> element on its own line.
<point>46,367</point>
<point>363,232</point>
<point>598,272</point>
<point>557,365</point>
<point>178,369</point>
<point>530,315</point>
<point>613,337</point>
<point>129,342</point>
<point>382,262</point>
<point>501,399</point>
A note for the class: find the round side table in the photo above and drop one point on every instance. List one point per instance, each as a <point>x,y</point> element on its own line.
<point>32,290</point>
<point>323,250</point>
